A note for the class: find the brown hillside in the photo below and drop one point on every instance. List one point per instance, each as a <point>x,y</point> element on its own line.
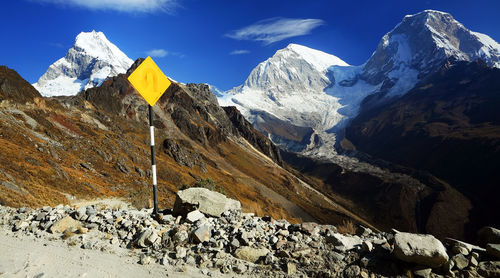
<point>96,144</point>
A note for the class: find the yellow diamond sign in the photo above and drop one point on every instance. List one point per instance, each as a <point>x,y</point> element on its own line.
<point>149,81</point>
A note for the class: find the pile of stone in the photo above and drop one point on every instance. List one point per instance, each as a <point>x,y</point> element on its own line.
<point>209,231</point>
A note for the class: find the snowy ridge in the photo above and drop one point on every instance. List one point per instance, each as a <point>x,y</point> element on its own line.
<point>91,60</point>
<point>310,88</point>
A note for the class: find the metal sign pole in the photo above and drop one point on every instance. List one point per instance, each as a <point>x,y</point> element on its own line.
<point>151,83</point>
<point>153,161</point>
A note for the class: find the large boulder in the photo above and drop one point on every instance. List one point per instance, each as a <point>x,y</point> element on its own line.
<point>421,249</point>
<point>489,235</point>
<point>493,250</point>
<point>64,224</point>
<point>208,202</point>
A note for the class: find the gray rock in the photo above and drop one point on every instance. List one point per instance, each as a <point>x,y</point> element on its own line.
<point>421,249</point>
<point>493,250</point>
<point>235,243</point>
<point>353,271</point>
<point>309,228</point>
<point>457,245</point>
<point>423,272</point>
<point>460,261</point>
<point>203,233</point>
<point>208,202</point>
<point>190,260</point>
<point>337,256</point>
<point>284,233</point>
<point>122,234</point>
<point>473,261</point>
<point>363,231</point>
<point>167,219</point>
<point>40,216</point>
<point>145,260</point>
<point>460,250</point>
<point>250,254</point>
<point>152,238</point>
<point>180,252</point>
<point>448,268</point>
<point>194,216</point>
<point>367,246</point>
<point>143,236</point>
<point>89,245</point>
<point>20,225</point>
<point>240,268</point>
<point>283,254</point>
<point>291,268</point>
<point>92,226</point>
<point>489,235</point>
<point>489,269</point>
<point>367,261</point>
<point>90,211</point>
<point>181,236</point>
<point>65,223</point>
<point>347,242</point>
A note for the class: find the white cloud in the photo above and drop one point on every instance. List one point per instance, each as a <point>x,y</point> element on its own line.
<point>132,6</point>
<point>275,29</point>
<point>239,52</point>
<point>159,53</point>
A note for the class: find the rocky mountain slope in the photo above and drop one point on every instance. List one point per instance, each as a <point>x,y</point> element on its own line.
<point>96,144</point>
<point>315,105</point>
<point>90,60</point>
<point>449,126</point>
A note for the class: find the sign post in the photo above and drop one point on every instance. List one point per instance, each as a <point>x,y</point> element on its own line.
<point>151,83</point>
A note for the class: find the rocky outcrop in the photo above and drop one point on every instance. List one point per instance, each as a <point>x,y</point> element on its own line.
<point>254,137</point>
<point>181,152</point>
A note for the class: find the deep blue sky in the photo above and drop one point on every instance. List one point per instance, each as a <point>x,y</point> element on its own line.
<point>36,33</point>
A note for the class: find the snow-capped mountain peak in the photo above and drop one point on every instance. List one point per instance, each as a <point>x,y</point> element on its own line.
<point>300,89</point>
<point>90,60</point>
<point>293,68</point>
<point>289,87</point>
<point>97,45</point>
<point>421,43</point>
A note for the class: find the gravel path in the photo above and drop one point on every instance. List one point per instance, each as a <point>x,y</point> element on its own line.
<point>28,256</point>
